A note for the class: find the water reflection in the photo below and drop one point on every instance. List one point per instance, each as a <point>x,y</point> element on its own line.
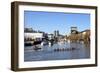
<point>57,51</point>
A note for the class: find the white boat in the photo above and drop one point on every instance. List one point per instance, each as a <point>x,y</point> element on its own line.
<point>68,41</point>
<point>49,44</point>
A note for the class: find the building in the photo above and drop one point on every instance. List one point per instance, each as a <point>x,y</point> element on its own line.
<point>56,33</point>
<point>30,34</point>
<point>86,35</point>
<point>50,36</point>
<point>74,30</point>
<point>77,36</point>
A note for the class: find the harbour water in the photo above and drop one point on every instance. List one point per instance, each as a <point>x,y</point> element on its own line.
<point>57,51</point>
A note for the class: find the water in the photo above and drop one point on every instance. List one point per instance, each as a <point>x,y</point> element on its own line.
<point>80,51</point>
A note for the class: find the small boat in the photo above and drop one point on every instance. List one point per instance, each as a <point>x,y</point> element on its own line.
<point>68,41</point>
<point>50,44</point>
<point>37,47</point>
<point>43,43</point>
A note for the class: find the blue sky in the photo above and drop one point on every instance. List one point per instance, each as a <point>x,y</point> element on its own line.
<point>51,21</point>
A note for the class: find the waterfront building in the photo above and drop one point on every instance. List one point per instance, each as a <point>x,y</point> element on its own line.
<point>77,36</point>
<point>86,35</point>
<point>50,36</point>
<point>30,34</point>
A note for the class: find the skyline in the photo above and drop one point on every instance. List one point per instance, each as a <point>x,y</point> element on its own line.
<point>51,21</point>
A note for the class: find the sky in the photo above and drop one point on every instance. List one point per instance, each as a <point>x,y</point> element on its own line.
<point>50,21</point>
